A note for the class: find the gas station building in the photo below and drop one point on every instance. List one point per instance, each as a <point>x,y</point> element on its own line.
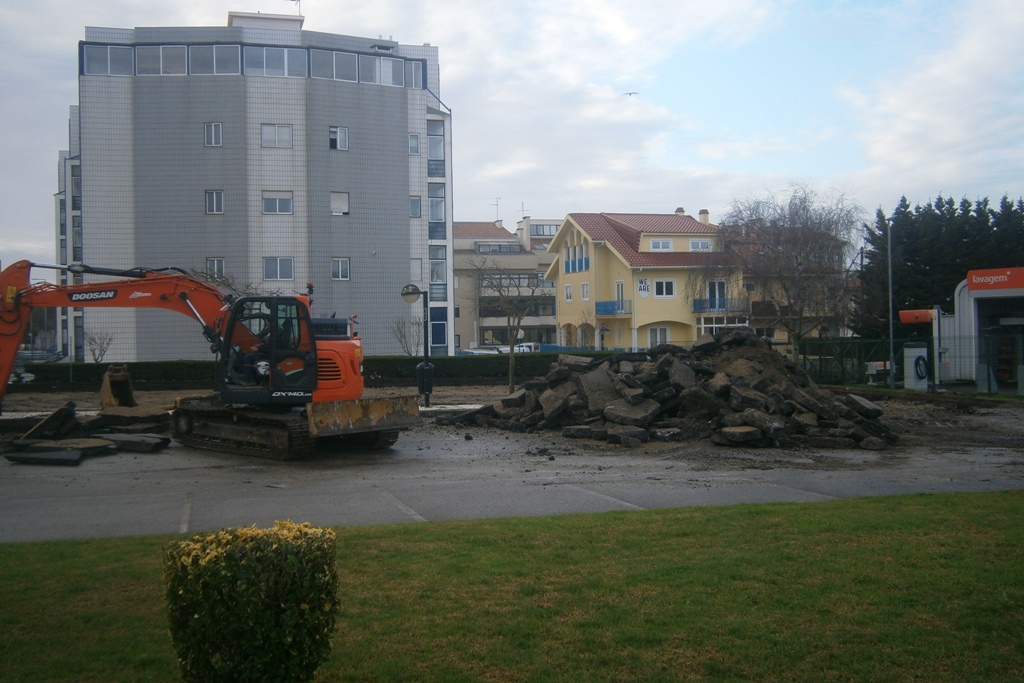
<point>983,340</point>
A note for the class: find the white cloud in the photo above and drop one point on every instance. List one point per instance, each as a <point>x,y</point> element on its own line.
<point>539,118</point>
<point>953,123</point>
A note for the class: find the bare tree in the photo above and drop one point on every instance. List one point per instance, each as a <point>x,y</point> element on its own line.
<point>98,343</point>
<point>585,331</point>
<point>408,334</point>
<point>511,292</point>
<point>795,248</point>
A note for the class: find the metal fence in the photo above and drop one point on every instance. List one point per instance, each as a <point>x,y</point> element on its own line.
<point>992,362</point>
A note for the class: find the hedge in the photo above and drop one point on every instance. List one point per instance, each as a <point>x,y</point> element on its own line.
<point>248,604</point>
<point>377,370</point>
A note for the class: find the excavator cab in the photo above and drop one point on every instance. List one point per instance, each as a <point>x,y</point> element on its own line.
<point>268,353</point>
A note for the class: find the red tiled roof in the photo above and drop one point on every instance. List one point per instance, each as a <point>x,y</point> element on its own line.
<point>480,230</point>
<point>661,223</point>
<point>623,232</point>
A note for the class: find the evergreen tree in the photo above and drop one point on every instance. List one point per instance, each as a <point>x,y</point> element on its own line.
<point>933,247</point>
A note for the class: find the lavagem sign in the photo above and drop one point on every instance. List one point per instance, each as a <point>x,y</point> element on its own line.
<point>996,278</point>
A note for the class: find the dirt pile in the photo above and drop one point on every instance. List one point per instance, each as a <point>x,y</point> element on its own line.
<point>731,388</point>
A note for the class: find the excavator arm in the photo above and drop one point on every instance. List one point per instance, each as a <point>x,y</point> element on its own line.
<point>169,289</point>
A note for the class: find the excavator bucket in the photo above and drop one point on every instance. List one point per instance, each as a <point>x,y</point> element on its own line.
<point>341,418</point>
<point>116,389</point>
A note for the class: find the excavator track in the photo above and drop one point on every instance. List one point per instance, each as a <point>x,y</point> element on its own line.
<point>205,422</point>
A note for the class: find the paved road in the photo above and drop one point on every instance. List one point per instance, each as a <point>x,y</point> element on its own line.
<point>437,474</point>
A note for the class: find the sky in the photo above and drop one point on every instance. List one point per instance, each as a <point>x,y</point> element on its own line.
<point>564,106</point>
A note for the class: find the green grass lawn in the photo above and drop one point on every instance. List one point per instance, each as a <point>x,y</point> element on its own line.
<point>923,588</point>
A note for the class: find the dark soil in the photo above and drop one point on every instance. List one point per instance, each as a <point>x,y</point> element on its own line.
<point>943,426</point>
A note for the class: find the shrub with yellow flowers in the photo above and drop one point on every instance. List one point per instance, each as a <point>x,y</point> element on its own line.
<point>252,604</point>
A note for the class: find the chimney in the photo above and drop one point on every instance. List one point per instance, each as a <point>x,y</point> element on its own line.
<point>680,211</point>
<point>704,216</point>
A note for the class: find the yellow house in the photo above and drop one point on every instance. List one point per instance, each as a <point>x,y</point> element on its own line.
<point>636,280</point>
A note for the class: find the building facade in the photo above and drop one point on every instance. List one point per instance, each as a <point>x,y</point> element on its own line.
<point>630,281</point>
<point>265,157</point>
<point>499,273</point>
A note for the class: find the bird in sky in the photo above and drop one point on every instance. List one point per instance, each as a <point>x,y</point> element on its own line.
<point>631,93</point>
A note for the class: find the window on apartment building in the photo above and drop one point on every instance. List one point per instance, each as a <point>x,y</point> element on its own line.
<point>213,134</point>
<point>392,72</point>
<point>498,248</point>
<point>346,66</point>
<point>369,69</point>
<point>717,292</point>
<point>435,149</point>
<point>435,139</point>
<point>321,64</point>
<point>275,135</point>
<point>214,201</point>
<point>438,326</point>
<point>438,265</point>
<point>415,207</point>
<point>664,289</point>
<point>275,61</point>
<point>568,292</point>
<point>543,229</point>
<point>700,245</point>
<point>337,138</point>
<point>339,203</point>
<point>661,245</point>
<point>108,60</point>
<point>76,238</point>
<point>340,66</point>
<point>585,291</point>
<point>414,74</point>
<point>76,187</point>
<point>214,59</point>
<point>435,195</point>
<point>161,60</point>
<point>340,268</point>
<point>657,335</point>
<point>414,144</point>
<point>275,202</point>
<point>215,268</point>
<point>277,268</point>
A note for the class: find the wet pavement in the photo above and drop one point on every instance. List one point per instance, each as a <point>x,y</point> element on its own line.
<point>435,474</point>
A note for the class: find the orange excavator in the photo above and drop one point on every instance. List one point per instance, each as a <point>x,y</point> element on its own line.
<point>284,379</point>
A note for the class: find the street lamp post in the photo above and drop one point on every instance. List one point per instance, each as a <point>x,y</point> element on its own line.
<point>424,371</point>
<point>892,348</point>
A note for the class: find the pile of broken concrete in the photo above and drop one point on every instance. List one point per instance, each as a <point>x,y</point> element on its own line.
<point>731,388</point>
<point>65,438</point>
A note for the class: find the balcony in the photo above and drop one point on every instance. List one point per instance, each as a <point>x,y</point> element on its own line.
<point>740,305</point>
<point>613,307</point>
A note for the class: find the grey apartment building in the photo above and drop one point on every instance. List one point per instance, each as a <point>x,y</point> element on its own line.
<point>266,156</point>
